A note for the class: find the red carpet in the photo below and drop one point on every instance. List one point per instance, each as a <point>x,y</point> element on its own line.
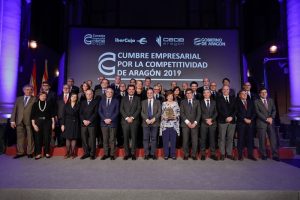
<point>284,153</point>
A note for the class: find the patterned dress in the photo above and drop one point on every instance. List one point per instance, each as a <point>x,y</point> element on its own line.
<point>170,123</point>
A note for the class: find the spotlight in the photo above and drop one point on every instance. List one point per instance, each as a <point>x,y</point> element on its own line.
<point>32,44</point>
<point>273,49</point>
<point>56,72</point>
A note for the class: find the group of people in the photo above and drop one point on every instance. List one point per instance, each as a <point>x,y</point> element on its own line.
<point>123,114</point>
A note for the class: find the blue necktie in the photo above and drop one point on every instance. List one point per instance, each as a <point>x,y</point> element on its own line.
<point>149,110</point>
<point>190,105</point>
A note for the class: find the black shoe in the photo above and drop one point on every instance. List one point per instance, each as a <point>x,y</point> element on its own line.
<point>241,158</point>
<point>264,157</point>
<point>30,156</point>
<point>185,158</point>
<point>194,157</point>
<point>214,157</point>
<point>133,157</point>
<point>203,157</point>
<point>252,158</point>
<point>231,157</point>
<point>276,158</point>
<point>146,157</point>
<point>222,157</point>
<point>112,158</point>
<point>19,156</point>
<point>104,157</point>
<point>154,157</point>
<point>166,158</point>
<point>92,157</point>
<point>126,157</point>
<point>174,158</point>
<point>85,156</point>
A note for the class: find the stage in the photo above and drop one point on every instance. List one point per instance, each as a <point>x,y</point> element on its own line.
<point>59,178</point>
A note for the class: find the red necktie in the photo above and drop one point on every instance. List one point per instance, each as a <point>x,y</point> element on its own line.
<point>65,98</point>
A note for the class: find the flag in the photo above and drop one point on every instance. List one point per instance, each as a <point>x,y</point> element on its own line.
<point>33,79</point>
<point>45,75</point>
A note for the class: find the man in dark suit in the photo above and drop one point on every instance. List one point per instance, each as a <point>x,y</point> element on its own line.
<point>100,92</point>
<point>245,113</point>
<point>122,93</point>
<point>184,86</point>
<point>250,94</point>
<point>60,102</point>
<point>213,90</point>
<point>99,87</point>
<point>20,119</point>
<point>51,96</point>
<point>73,88</point>
<point>151,111</point>
<point>190,114</point>
<point>116,85</point>
<point>226,122</point>
<point>194,87</point>
<point>208,124</point>
<point>109,117</point>
<point>266,111</point>
<point>205,86</point>
<point>226,82</point>
<point>157,95</point>
<point>88,118</point>
<point>130,110</point>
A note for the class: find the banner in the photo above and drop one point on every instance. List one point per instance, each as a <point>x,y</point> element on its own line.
<point>163,55</point>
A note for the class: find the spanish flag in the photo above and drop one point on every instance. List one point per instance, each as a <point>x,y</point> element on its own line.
<point>33,79</point>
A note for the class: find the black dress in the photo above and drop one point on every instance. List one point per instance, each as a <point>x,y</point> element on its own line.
<point>71,121</point>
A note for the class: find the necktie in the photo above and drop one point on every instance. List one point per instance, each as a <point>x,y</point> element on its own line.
<point>266,104</point>
<point>226,99</point>
<point>88,102</point>
<point>25,101</point>
<point>190,105</point>
<point>245,104</point>
<point>130,100</point>
<point>122,94</point>
<point>149,109</point>
<point>207,103</point>
<point>65,98</point>
<point>108,103</point>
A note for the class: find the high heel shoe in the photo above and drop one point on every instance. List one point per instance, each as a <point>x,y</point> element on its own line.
<point>38,157</point>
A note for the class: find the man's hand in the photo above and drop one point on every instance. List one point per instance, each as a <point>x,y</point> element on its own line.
<point>13,125</point>
<point>229,119</point>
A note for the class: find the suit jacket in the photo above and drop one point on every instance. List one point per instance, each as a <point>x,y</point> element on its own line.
<point>198,96</point>
<point>109,112</point>
<point>89,112</point>
<point>128,109</point>
<point>60,105</point>
<point>263,113</point>
<point>161,98</point>
<point>156,112</point>
<point>210,112</point>
<point>242,112</point>
<point>20,113</point>
<point>215,95</point>
<point>74,89</point>
<point>201,89</point>
<point>116,90</point>
<point>226,110</point>
<point>186,113</point>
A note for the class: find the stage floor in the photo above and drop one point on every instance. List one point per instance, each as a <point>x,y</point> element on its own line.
<point>60,173</point>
